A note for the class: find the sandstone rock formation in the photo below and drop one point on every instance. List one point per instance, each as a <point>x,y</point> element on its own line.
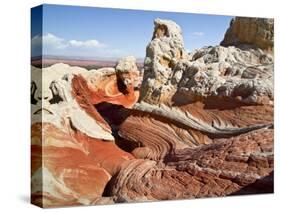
<point>196,124</point>
<point>198,121</point>
<point>117,86</point>
<point>54,103</point>
<point>217,72</point>
<point>255,32</point>
<point>73,151</point>
<point>162,54</point>
<point>222,168</point>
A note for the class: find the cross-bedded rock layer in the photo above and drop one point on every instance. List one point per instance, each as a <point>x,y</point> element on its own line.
<point>225,167</point>
<point>189,125</point>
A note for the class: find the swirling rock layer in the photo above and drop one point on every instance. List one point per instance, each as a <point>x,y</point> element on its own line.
<point>189,125</point>
<point>73,151</point>
<point>118,86</point>
<point>158,132</point>
<point>75,167</point>
<point>203,125</point>
<point>227,166</point>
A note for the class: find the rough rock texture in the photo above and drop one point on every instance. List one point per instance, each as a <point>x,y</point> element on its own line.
<point>127,72</point>
<point>52,102</point>
<point>117,86</point>
<point>75,167</point>
<point>222,168</point>
<point>162,54</point>
<point>203,125</point>
<point>156,136</point>
<point>197,124</point>
<point>256,32</point>
<point>73,152</point>
<point>218,73</point>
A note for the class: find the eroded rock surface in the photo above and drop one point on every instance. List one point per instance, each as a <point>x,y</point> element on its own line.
<point>160,131</point>
<point>222,168</point>
<point>202,120</point>
<point>73,151</point>
<point>162,54</point>
<point>118,85</point>
<point>218,72</point>
<point>255,32</point>
<point>194,125</point>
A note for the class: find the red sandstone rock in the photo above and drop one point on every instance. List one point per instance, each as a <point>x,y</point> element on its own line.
<point>109,85</point>
<point>203,126</point>
<point>75,167</point>
<point>225,167</point>
<point>154,137</point>
<point>105,91</point>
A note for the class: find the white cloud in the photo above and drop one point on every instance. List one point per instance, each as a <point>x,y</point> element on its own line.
<point>54,41</point>
<point>54,45</point>
<point>86,44</point>
<point>199,34</point>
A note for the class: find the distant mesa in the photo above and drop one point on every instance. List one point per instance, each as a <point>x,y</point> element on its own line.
<point>88,63</point>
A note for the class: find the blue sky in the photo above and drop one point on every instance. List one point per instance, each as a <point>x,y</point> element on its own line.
<point>113,33</point>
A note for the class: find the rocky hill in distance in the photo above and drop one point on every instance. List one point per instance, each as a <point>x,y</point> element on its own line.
<point>187,125</point>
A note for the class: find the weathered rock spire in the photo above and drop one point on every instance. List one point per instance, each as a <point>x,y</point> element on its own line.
<point>162,53</point>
